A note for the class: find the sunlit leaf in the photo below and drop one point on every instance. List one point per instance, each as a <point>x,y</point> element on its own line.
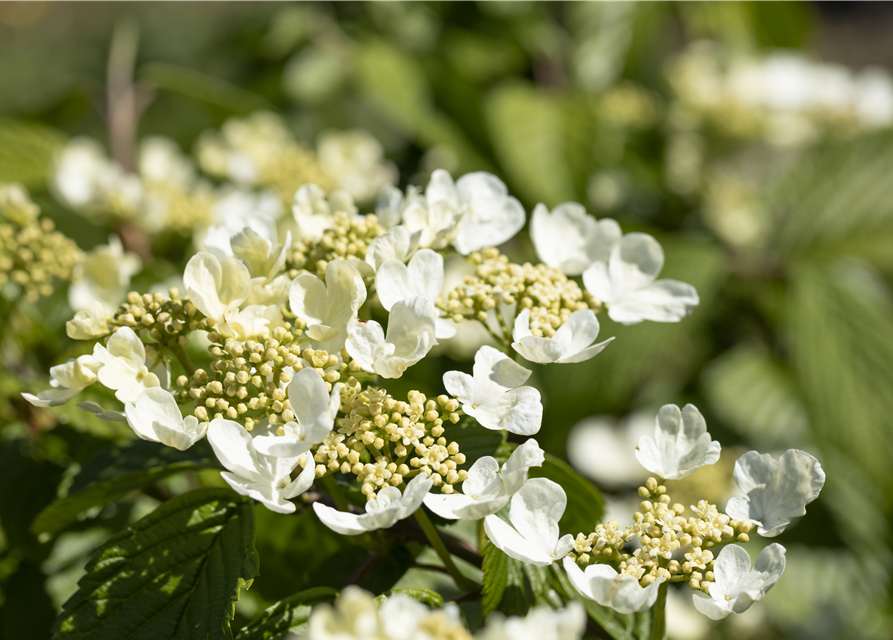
<point>286,616</point>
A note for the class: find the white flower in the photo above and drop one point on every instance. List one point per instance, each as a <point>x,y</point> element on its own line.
<point>356,159</point>
<point>67,380</point>
<point>382,512</point>
<point>313,211</point>
<point>104,275</point>
<point>569,239</point>
<point>680,446</point>
<point>124,367</point>
<point>487,489</point>
<point>264,478</point>
<point>155,416</point>
<point>602,583</point>
<point>328,308</point>
<point>605,450</point>
<point>491,216</point>
<point>315,410</point>
<point>736,586</point>
<point>776,491</point>
<point>253,321</point>
<point>411,335</point>
<point>531,534</point>
<point>571,342</point>
<point>235,211</point>
<point>217,288</point>
<point>540,623</point>
<point>494,395</point>
<point>389,206</point>
<point>436,214</point>
<point>423,276</point>
<point>397,244</point>
<point>89,323</point>
<point>626,284</point>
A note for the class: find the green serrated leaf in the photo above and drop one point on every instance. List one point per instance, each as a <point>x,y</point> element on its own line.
<point>26,151</point>
<point>506,587</point>
<point>425,596</point>
<point>289,615</point>
<point>176,573</point>
<point>617,625</point>
<point>113,473</point>
<point>585,505</point>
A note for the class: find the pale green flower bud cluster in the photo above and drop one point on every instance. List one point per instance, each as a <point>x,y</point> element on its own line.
<point>169,319</point>
<point>548,294</point>
<point>348,238</point>
<point>33,254</point>
<point>384,441</point>
<point>184,210</point>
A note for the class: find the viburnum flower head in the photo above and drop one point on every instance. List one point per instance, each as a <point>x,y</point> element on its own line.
<point>541,623</point>
<point>570,343</point>
<point>261,477</point>
<point>67,380</point>
<point>124,367</point>
<point>216,288</point>
<point>488,488</point>
<point>494,396</point>
<point>680,445</point>
<point>531,534</point>
<point>315,410</point>
<point>423,276</point>
<point>569,239</point>
<point>626,284</point>
<point>328,307</point>
<point>411,334</point>
<point>602,583</point>
<point>735,585</point>
<point>776,491</point>
<point>156,417</point>
<point>382,511</point>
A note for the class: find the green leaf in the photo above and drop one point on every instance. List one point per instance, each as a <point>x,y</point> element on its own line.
<point>26,152</point>
<point>114,472</point>
<point>506,588</point>
<point>176,573</point>
<point>425,596</point>
<point>198,86</point>
<point>287,615</point>
<point>585,505</point>
<point>474,440</point>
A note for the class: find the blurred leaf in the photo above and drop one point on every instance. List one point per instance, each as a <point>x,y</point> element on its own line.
<point>474,440</point>
<point>174,574</point>
<point>198,86</point>
<point>425,596</point>
<point>27,610</point>
<point>481,56</point>
<point>585,505</point>
<point>527,132</point>
<point>114,472</point>
<point>26,151</point>
<point>753,393</point>
<point>605,33</point>
<point>289,615</point>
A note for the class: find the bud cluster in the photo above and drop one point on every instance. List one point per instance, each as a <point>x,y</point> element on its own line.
<point>32,253</point>
<point>183,210</point>
<point>169,320</point>
<point>384,441</point>
<point>550,295</point>
<point>348,238</point>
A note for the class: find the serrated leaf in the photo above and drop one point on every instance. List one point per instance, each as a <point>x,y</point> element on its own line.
<point>26,151</point>
<point>114,472</point>
<point>425,596</point>
<point>289,615</point>
<point>176,573</point>
<point>585,505</point>
<point>202,87</point>
<point>505,588</point>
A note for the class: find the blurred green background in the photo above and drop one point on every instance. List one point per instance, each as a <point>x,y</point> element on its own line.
<point>773,196</point>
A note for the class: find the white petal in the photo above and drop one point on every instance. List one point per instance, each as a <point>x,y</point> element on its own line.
<point>347,524</point>
<point>156,416</point>
<point>535,511</point>
<point>680,446</point>
<point>517,411</point>
<point>514,471</point>
<point>395,244</point>
<point>514,544</point>
<point>662,301</point>
<point>422,277</point>
<point>365,343</point>
<point>603,584</point>
<point>304,480</point>
<point>495,367</point>
<point>51,397</point>
<point>233,447</point>
<point>635,262</point>
<point>597,281</point>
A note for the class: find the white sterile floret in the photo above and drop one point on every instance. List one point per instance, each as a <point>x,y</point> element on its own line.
<point>531,534</point>
<point>494,396</point>
<point>735,585</point>
<point>155,416</point>
<point>328,307</point>
<point>315,410</point>
<point>124,367</point>
<point>680,446</point>
<point>89,323</point>
<point>423,276</point>
<point>389,206</point>
<point>67,380</point>
<point>411,334</point>
<point>620,592</point>
<point>627,287</point>
<point>313,210</point>
<point>776,491</point>
<point>540,623</point>
<point>264,478</point>
<point>233,212</point>
<point>103,275</point>
<point>264,259</point>
<point>571,343</point>
<point>382,512</point>
<point>605,450</point>
<point>216,288</point>
<point>569,239</point>
<point>436,214</point>
<point>491,216</point>
<point>487,489</point>
<point>396,244</point>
